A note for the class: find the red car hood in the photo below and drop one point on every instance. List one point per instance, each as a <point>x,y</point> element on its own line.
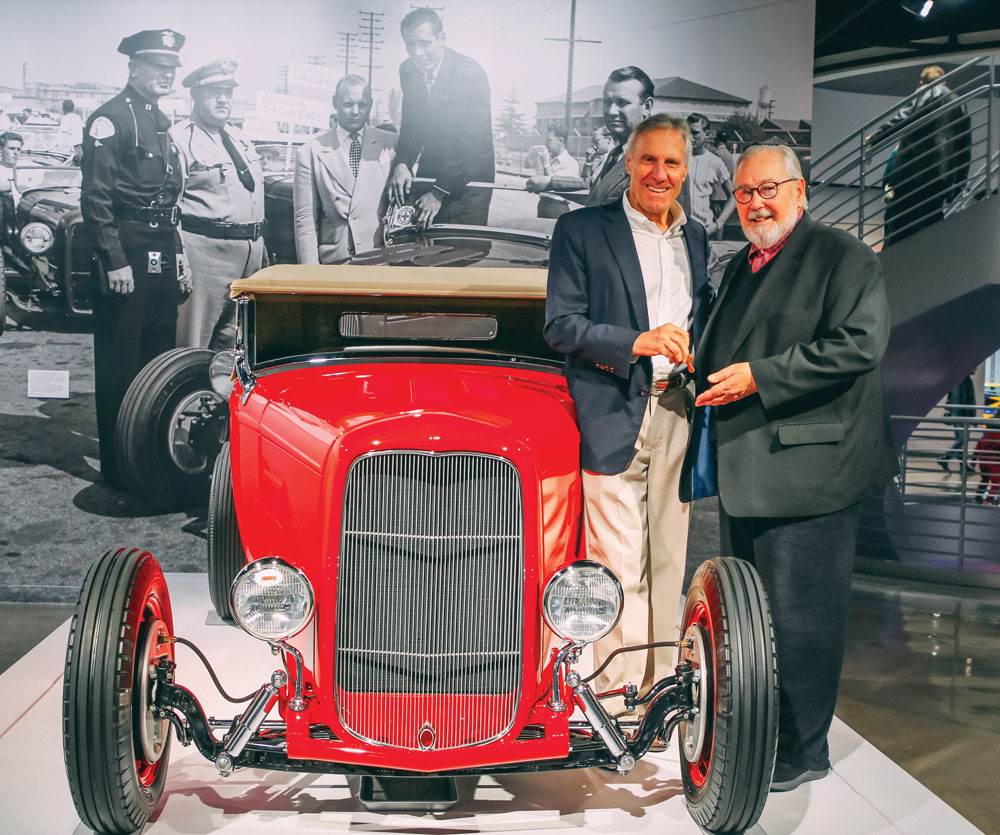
<point>414,405</point>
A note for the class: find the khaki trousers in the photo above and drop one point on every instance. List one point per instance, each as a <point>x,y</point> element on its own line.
<point>638,527</point>
<point>207,318</point>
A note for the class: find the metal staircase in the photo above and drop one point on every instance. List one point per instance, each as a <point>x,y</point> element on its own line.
<point>940,255</point>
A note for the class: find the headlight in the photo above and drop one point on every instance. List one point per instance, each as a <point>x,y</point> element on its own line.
<point>271,599</point>
<point>36,237</point>
<point>220,373</point>
<point>582,602</point>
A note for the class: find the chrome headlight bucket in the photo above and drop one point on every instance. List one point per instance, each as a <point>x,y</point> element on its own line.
<point>271,599</point>
<point>582,601</point>
<point>37,237</point>
<point>220,373</point>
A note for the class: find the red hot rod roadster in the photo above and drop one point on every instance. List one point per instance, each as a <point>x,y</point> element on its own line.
<point>397,515</point>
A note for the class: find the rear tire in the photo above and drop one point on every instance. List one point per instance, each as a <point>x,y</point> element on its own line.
<point>165,452</point>
<point>115,751</point>
<point>225,546</point>
<point>728,775</point>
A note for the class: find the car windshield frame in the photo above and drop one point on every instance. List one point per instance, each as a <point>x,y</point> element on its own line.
<point>292,315</point>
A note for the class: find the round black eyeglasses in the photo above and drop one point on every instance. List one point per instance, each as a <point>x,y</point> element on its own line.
<point>744,194</point>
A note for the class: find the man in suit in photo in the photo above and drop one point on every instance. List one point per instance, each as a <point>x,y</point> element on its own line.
<point>790,364</point>
<point>627,285</point>
<point>628,99</point>
<point>445,131</point>
<point>340,179</point>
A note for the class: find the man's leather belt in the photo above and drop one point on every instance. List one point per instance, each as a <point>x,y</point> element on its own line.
<point>224,231</point>
<point>153,215</point>
<point>661,385</point>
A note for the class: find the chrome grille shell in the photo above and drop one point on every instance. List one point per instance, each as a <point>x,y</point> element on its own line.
<point>430,599</point>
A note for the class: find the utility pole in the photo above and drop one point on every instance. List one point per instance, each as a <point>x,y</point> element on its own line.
<point>346,45</point>
<point>24,76</point>
<point>371,38</point>
<point>573,41</point>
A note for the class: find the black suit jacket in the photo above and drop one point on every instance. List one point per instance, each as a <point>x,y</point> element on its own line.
<point>595,308</point>
<point>815,437</point>
<point>452,132</point>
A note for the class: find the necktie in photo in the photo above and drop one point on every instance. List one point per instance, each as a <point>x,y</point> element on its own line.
<point>609,163</point>
<point>242,169</point>
<point>354,153</point>
<point>429,83</point>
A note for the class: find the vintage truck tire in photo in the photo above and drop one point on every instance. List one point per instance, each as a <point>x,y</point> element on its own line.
<point>170,428</point>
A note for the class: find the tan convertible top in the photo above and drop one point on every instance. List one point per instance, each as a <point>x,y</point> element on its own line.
<point>356,279</point>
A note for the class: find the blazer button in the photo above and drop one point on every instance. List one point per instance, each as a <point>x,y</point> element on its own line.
<point>644,392</point>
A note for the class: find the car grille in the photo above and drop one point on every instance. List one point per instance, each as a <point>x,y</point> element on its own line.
<point>430,599</point>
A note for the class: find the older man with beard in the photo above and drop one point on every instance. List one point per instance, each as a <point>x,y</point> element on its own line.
<point>789,363</point>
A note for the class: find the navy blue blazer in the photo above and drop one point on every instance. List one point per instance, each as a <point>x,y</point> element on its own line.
<point>594,310</point>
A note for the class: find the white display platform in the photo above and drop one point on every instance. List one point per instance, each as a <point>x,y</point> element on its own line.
<point>866,793</point>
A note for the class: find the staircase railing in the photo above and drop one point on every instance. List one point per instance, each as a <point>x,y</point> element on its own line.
<point>951,160</point>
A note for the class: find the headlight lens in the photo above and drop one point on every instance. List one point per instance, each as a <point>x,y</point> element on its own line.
<point>36,237</point>
<point>271,599</point>
<point>582,602</point>
<point>220,373</point>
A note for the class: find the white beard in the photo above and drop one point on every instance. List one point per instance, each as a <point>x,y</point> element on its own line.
<point>767,235</point>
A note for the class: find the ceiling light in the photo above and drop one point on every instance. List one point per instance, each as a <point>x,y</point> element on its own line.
<point>920,8</point>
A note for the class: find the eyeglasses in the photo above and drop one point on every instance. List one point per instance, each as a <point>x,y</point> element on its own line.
<point>744,194</point>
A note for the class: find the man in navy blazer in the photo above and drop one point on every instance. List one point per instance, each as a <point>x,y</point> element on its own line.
<point>628,292</point>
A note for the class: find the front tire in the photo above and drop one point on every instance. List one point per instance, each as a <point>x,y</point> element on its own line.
<point>728,750</point>
<point>115,750</point>
<point>170,427</point>
<point>225,546</point>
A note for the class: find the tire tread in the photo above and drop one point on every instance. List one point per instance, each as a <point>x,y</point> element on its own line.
<point>745,723</point>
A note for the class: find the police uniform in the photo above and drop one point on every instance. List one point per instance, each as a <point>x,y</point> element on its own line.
<point>132,178</point>
<point>222,216</point>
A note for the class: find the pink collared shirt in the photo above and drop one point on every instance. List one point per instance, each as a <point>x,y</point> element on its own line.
<point>759,258</point>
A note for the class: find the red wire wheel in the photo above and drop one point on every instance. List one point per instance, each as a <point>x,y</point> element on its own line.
<point>116,749</point>
<point>728,747</point>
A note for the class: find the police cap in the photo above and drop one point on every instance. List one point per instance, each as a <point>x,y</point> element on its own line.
<point>220,73</point>
<point>152,44</point>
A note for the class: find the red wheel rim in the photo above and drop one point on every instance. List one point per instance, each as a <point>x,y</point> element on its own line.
<point>153,609</point>
<point>699,769</point>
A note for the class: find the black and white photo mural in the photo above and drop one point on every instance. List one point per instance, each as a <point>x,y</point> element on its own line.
<point>472,112</point>
<point>152,152</point>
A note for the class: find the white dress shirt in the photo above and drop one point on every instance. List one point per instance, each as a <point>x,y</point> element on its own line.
<point>666,274</point>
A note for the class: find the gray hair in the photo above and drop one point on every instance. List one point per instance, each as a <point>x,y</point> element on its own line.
<point>353,81</point>
<point>793,169</point>
<point>662,121</point>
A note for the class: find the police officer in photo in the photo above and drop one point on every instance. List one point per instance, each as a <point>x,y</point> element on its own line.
<point>131,182</point>
<point>222,210</point>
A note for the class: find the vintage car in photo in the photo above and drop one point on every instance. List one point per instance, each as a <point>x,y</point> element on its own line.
<point>172,424</point>
<point>44,261</point>
<point>397,514</point>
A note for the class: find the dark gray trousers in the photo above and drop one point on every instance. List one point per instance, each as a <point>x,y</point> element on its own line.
<point>805,563</point>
